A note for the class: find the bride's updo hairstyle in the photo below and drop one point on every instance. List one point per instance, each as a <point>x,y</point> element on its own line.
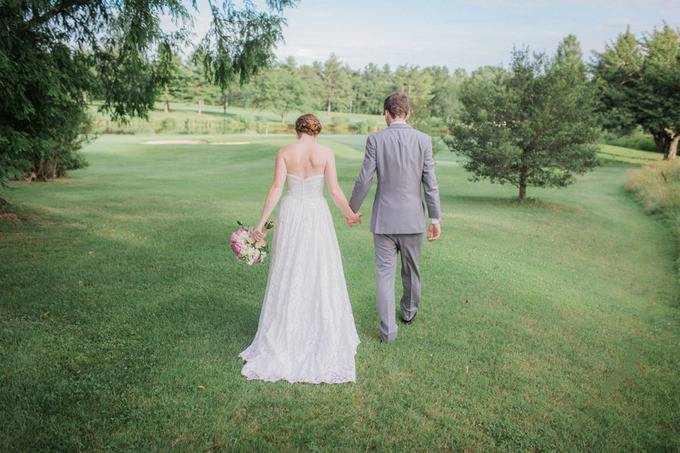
<point>308,124</point>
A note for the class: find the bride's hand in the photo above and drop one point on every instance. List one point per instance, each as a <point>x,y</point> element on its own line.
<point>258,234</point>
<point>354,219</point>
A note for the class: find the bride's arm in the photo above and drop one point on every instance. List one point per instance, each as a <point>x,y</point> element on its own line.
<point>273,196</point>
<point>336,192</point>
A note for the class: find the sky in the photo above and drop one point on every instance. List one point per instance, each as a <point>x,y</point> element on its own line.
<point>456,33</point>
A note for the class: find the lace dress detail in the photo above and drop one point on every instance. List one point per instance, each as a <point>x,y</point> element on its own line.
<point>306,331</point>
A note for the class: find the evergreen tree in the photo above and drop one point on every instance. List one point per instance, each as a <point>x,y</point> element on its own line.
<point>418,86</point>
<point>445,87</point>
<point>337,85</point>
<point>280,90</point>
<point>171,78</point>
<point>531,125</point>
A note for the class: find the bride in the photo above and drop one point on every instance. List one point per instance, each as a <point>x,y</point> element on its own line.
<point>306,331</point>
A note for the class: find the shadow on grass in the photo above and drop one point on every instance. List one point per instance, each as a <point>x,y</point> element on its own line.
<point>606,161</point>
<point>14,217</point>
<point>221,114</point>
<point>116,327</point>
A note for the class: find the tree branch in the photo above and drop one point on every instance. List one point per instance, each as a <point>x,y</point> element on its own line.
<point>59,8</point>
<point>86,30</point>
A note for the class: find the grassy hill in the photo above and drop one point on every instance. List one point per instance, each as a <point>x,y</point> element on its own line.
<point>547,325</point>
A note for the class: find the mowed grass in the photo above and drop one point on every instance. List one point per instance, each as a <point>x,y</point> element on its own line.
<point>548,325</point>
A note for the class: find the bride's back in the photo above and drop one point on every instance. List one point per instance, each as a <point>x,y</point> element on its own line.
<point>305,158</point>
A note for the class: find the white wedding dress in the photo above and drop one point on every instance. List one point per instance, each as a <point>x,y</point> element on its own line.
<point>306,331</point>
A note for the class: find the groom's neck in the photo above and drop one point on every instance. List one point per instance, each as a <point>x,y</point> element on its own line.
<point>398,120</point>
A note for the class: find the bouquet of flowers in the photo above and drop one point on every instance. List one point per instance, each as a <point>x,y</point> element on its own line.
<point>246,248</point>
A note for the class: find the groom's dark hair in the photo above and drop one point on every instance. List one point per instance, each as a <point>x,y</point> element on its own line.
<point>397,104</point>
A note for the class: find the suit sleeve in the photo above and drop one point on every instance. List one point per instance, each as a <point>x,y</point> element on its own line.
<point>430,186</point>
<point>365,178</point>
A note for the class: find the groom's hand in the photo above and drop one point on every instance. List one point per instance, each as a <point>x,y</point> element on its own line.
<point>354,219</point>
<point>434,231</point>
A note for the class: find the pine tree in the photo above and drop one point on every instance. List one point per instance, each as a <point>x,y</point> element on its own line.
<point>531,124</point>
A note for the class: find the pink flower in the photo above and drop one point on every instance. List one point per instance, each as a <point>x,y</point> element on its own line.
<point>235,235</point>
<point>246,248</point>
<point>236,247</point>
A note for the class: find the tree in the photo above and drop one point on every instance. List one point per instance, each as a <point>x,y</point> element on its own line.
<point>336,83</point>
<point>310,76</point>
<point>531,125</point>
<point>54,53</point>
<point>445,87</point>
<point>418,86</point>
<point>171,78</point>
<point>196,86</point>
<point>371,88</point>
<point>639,84</point>
<point>280,90</point>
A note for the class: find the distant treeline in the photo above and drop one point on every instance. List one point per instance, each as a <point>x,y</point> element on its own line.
<point>330,86</point>
<point>536,117</point>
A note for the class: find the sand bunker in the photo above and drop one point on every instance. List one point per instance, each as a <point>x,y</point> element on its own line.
<point>176,142</point>
<point>230,143</point>
<point>191,142</point>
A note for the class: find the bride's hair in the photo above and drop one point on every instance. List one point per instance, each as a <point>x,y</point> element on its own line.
<point>308,124</point>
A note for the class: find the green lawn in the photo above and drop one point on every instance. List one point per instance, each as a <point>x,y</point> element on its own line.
<point>549,325</point>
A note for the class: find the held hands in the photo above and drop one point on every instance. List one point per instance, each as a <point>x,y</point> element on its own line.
<point>353,219</point>
<point>434,231</point>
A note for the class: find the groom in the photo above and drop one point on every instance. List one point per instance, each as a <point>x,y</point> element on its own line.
<point>402,158</point>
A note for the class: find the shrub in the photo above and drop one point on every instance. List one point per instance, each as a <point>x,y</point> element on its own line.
<point>657,185</point>
<point>360,127</point>
<point>167,125</point>
<point>634,140</point>
<point>338,125</point>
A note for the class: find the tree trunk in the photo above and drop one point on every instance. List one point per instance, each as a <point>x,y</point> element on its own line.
<point>522,184</point>
<point>667,143</point>
<point>661,142</point>
<point>329,106</point>
<point>673,148</point>
<point>167,106</point>
<point>44,170</point>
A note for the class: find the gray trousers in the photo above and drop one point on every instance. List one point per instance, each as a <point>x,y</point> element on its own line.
<point>386,248</point>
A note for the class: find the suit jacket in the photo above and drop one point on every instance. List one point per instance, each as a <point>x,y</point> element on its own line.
<point>401,157</point>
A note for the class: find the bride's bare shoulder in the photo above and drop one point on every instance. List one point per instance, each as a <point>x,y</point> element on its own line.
<point>324,150</point>
<point>286,149</point>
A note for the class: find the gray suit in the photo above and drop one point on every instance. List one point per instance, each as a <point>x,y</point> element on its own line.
<point>402,158</point>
